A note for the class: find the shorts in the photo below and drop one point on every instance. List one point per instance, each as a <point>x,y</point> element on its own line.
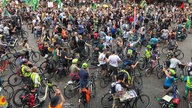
<point>103,67</point>
<point>113,69</point>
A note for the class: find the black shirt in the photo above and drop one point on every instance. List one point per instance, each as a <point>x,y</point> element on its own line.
<point>81,43</point>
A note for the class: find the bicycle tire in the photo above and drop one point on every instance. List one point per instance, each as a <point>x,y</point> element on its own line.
<point>179,54</point>
<point>52,91</point>
<point>93,90</point>
<point>160,74</point>
<point>17,99</point>
<point>142,64</point>
<point>16,78</point>
<point>35,56</point>
<point>58,76</point>
<point>104,82</point>
<point>159,68</point>
<point>138,82</point>
<point>148,72</point>
<point>12,67</point>
<point>49,74</point>
<point>140,101</point>
<point>164,50</point>
<point>29,26</point>
<point>7,91</point>
<point>107,100</point>
<point>70,88</point>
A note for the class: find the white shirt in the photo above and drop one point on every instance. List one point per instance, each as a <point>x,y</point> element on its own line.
<point>6,30</point>
<point>113,60</point>
<point>118,87</point>
<point>174,62</point>
<point>102,57</point>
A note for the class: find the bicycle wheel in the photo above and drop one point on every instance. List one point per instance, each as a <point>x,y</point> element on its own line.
<point>18,97</point>
<point>52,91</point>
<point>12,67</point>
<point>142,101</point>
<point>107,100</point>
<point>7,91</point>
<point>179,54</point>
<point>159,68</point>
<point>48,73</point>
<point>58,76</point>
<point>142,64</point>
<point>70,90</point>
<point>148,72</point>
<point>164,50</point>
<point>104,82</point>
<point>160,74</point>
<point>14,79</point>
<point>93,90</point>
<point>29,26</point>
<point>35,57</point>
<point>137,82</point>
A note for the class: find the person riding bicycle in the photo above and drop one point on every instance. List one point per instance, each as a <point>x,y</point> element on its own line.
<point>36,80</point>
<point>25,71</point>
<point>168,81</point>
<point>172,44</point>
<point>154,58</point>
<point>74,70</point>
<point>174,62</point>
<point>188,80</point>
<point>127,78</point>
<point>113,63</point>
<point>131,51</point>
<point>84,75</point>
<point>103,62</point>
<point>81,47</point>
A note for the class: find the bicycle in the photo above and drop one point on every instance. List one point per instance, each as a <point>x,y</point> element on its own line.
<point>71,89</point>
<point>158,67</point>
<point>5,61</point>
<point>6,90</point>
<point>22,96</point>
<point>172,100</point>
<point>176,52</point>
<point>140,101</point>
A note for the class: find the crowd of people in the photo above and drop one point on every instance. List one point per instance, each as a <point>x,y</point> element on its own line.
<point>112,34</point>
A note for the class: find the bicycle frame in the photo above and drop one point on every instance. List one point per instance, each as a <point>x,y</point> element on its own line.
<point>4,65</point>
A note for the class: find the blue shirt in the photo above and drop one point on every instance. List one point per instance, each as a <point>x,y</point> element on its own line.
<point>168,81</point>
<point>83,74</point>
<point>153,41</point>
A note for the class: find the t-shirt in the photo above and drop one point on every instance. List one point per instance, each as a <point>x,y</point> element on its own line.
<point>83,77</point>
<point>174,62</point>
<point>102,56</point>
<point>168,81</point>
<point>81,43</point>
<point>113,60</point>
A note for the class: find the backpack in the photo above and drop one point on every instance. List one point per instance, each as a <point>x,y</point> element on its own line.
<point>64,34</point>
<point>113,87</point>
<point>86,95</point>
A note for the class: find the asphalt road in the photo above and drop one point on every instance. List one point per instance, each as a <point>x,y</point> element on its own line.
<point>151,85</point>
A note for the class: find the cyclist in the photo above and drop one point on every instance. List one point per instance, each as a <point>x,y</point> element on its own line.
<point>25,48</point>
<point>55,100</point>
<point>188,80</point>
<point>172,44</point>
<point>127,77</point>
<point>131,52</point>
<point>168,81</point>
<point>154,58</point>
<point>25,71</point>
<point>174,62</point>
<point>36,79</point>
<point>113,63</point>
<point>119,90</point>
<point>84,75</point>
<point>74,70</point>
<point>102,62</point>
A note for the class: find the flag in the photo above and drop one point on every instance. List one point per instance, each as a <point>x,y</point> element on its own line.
<point>4,3</point>
<point>35,4</point>
<point>135,16</point>
<point>95,6</point>
<point>6,13</point>
<point>182,5</point>
<point>188,23</point>
<point>143,4</point>
<point>59,4</point>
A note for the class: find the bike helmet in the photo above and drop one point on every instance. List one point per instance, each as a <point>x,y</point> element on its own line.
<point>74,61</point>
<point>84,65</point>
<point>149,46</point>
<point>24,61</point>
